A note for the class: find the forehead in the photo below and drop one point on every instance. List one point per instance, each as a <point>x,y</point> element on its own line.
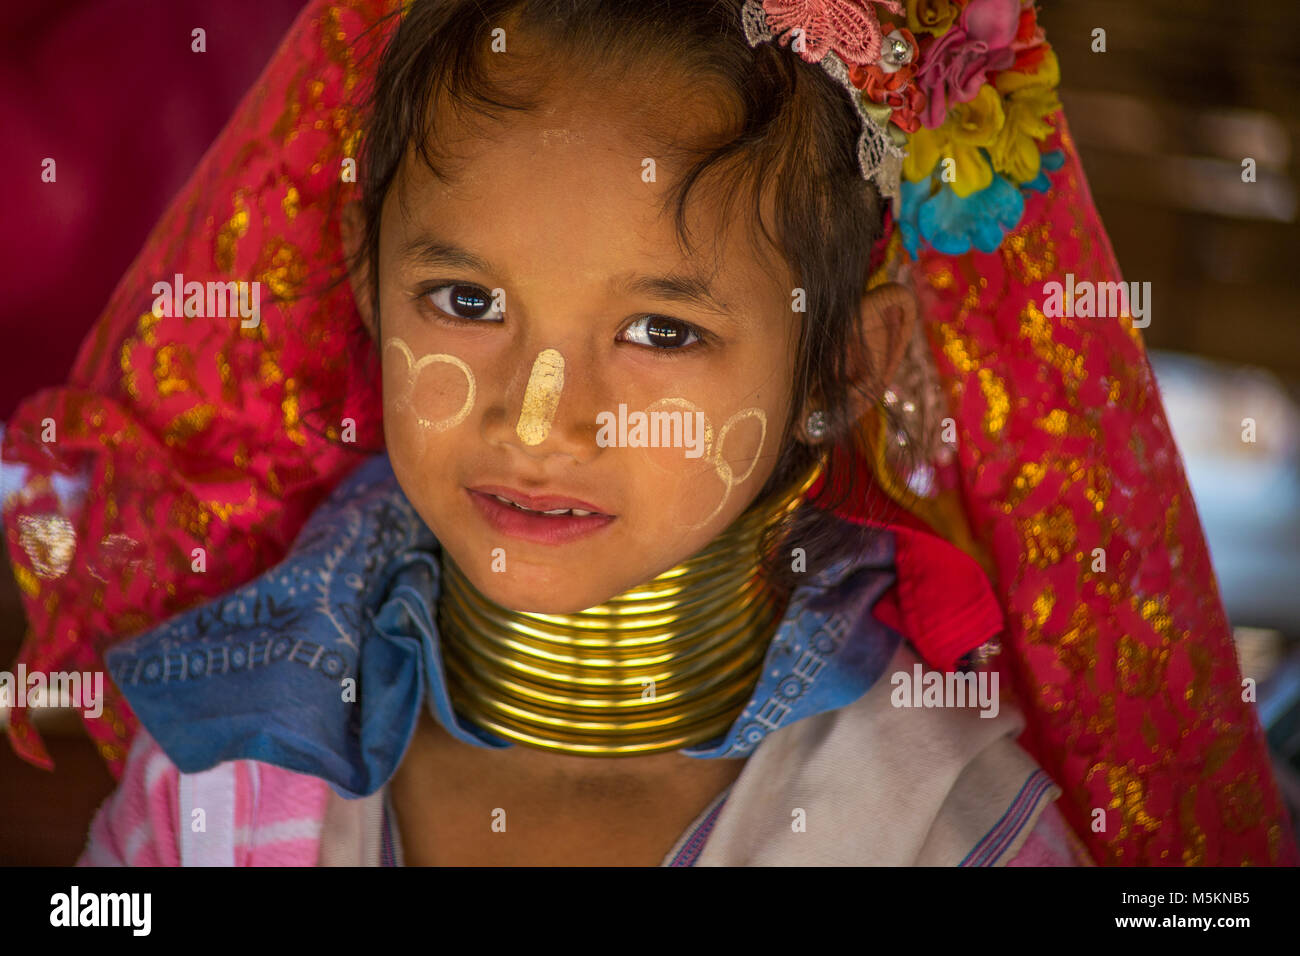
<point>588,177</point>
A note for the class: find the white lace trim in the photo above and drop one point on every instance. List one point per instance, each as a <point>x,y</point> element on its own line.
<point>880,160</point>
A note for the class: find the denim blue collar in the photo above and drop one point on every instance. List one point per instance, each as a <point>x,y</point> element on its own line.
<point>320,665</point>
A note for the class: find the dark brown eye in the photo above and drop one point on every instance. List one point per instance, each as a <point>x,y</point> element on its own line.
<point>464,302</point>
<point>660,332</point>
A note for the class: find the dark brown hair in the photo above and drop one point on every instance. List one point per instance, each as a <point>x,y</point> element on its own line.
<point>794,142</point>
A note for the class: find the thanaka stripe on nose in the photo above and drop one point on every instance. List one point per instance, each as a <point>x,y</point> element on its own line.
<point>541,397</point>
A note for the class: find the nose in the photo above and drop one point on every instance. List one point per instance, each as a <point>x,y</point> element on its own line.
<point>541,396</point>
<point>548,414</point>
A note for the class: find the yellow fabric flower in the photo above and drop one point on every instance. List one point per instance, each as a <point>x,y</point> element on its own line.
<point>932,16</point>
<point>1029,98</point>
<point>968,127</point>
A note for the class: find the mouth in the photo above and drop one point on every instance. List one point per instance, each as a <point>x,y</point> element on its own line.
<point>545,519</point>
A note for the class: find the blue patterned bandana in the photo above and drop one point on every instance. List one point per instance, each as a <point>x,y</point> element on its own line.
<point>321,664</point>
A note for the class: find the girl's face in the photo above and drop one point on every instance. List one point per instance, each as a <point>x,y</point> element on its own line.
<point>542,331</point>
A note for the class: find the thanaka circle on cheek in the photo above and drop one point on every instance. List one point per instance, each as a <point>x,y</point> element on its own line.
<point>738,421</point>
<point>435,402</point>
<point>660,441</point>
<point>676,436</point>
<point>541,397</point>
<point>727,476</point>
<point>422,398</point>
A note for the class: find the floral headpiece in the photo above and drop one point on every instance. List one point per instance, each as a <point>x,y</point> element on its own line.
<point>950,121</point>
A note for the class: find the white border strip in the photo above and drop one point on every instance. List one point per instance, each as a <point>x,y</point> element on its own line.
<point>213,791</point>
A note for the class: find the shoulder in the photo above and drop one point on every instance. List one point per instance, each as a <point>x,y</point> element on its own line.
<point>886,782</point>
<point>239,813</point>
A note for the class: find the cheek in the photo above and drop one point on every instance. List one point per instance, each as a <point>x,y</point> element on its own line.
<point>424,397</point>
<point>703,478</point>
<point>738,450</point>
<point>691,452</point>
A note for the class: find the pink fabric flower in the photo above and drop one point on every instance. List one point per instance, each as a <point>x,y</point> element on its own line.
<point>955,64</point>
<point>847,28</point>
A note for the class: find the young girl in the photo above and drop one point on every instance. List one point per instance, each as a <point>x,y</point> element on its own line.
<point>625,586</point>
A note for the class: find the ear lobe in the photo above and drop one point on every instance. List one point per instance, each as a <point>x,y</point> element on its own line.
<point>887,320</point>
<point>352,228</point>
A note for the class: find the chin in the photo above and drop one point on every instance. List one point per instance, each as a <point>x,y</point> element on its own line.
<point>520,592</point>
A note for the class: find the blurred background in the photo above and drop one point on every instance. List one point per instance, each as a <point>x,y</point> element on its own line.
<point>1185,90</point>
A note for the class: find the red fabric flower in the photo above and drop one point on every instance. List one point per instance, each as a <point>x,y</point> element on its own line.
<point>908,109</point>
<point>1029,45</point>
<point>894,89</point>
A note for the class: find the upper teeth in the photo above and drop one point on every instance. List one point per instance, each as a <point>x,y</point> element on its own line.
<point>576,512</point>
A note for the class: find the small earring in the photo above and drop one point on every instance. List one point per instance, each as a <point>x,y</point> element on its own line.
<point>815,425</point>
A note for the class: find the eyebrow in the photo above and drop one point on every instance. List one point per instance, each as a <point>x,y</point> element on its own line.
<point>430,251</point>
<point>692,289</point>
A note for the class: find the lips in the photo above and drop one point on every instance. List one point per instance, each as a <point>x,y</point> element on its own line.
<point>539,504</point>
<point>570,512</point>
<point>544,519</point>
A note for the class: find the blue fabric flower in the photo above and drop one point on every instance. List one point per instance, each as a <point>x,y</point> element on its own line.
<point>948,223</point>
<point>1050,162</point>
<point>913,195</point>
<point>952,224</point>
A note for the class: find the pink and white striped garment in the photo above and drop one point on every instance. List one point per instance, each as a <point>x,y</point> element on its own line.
<point>255,814</point>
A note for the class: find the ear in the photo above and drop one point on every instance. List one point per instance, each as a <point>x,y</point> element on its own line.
<point>352,227</point>
<point>886,318</point>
